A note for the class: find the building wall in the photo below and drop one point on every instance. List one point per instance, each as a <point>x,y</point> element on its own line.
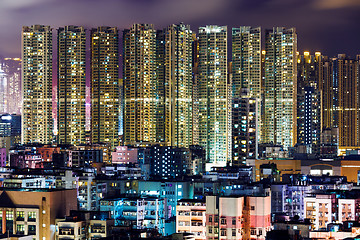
<point>279,124</point>
<point>191,217</point>
<point>285,166</point>
<point>260,220</point>
<point>309,100</point>
<point>231,218</point>
<point>140,84</point>
<point>323,212</point>
<point>346,210</point>
<point>124,155</point>
<point>13,92</point>
<point>47,152</point>
<point>246,66</point>
<point>310,211</point>
<point>331,235</point>
<point>70,229</point>
<point>178,86</point>
<point>214,117</point>
<point>23,221</point>
<point>348,101</point>
<point>71,85</point>
<point>350,169</point>
<point>105,86</point>
<point>246,61</point>
<point>37,121</point>
<point>245,129</point>
<point>51,204</point>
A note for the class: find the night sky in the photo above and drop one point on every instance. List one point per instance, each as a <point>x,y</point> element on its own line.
<point>329,26</point>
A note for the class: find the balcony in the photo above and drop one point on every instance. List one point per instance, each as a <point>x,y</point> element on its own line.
<point>98,229</point>
<point>66,231</point>
<point>196,224</point>
<point>184,213</point>
<point>200,214</point>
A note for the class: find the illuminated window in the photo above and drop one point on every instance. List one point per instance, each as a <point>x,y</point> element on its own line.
<point>32,216</point>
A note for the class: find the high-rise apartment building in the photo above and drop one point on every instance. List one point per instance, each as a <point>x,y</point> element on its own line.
<point>346,82</point>
<point>3,92</point>
<point>244,130</point>
<point>37,121</point>
<point>160,86</point>
<point>71,85</point>
<point>340,101</point>
<point>13,91</point>
<point>178,85</point>
<point>279,118</point>
<point>246,92</point>
<point>141,95</point>
<point>195,91</point>
<point>309,101</point>
<point>105,86</point>
<point>246,61</point>
<point>214,107</point>
<point>327,91</point>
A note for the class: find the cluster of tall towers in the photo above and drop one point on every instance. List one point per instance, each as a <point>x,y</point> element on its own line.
<point>64,120</point>
<point>179,89</point>
<point>328,98</point>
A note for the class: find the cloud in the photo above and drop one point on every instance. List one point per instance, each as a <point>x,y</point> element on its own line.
<point>91,13</point>
<point>14,4</point>
<point>314,19</point>
<point>335,4</point>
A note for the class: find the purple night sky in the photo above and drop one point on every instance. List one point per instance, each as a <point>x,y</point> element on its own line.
<point>329,26</point>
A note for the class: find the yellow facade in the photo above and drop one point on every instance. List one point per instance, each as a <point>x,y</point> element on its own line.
<point>285,166</point>
<point>105,86</point>
<point>71,85</point>
<point>37,121</point>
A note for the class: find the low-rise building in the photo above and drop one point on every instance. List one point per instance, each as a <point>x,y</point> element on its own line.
<point>191,217</point>
<point>289,199</point>
<point>136,212</point>
<point>323,209</point>
<point>238,217</point>
<point>70,228</point>
<point>295,229</point>
<point>90,192</point>
<point>34,212</point>
<point>99,228</point>
<point>125,155</point>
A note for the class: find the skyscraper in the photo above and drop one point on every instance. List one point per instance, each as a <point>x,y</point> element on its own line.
<point>244,129</point>
<point>37,121</point>
<point>246,92</point>
<point>340,100</point>
<point>12,69</point>
<point>246,60</point>
<point>279,120</point>
<point>105,85</point>
<point>326,87</point>
<point>141,94</point>
<point>71,85</point>
<point>309,101</point>
<point>3,92</point>
<point>160,86</point>
<point>214,117</point>
<point>178,85</point>
<point>195,91</point>
<point>347,108</point>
